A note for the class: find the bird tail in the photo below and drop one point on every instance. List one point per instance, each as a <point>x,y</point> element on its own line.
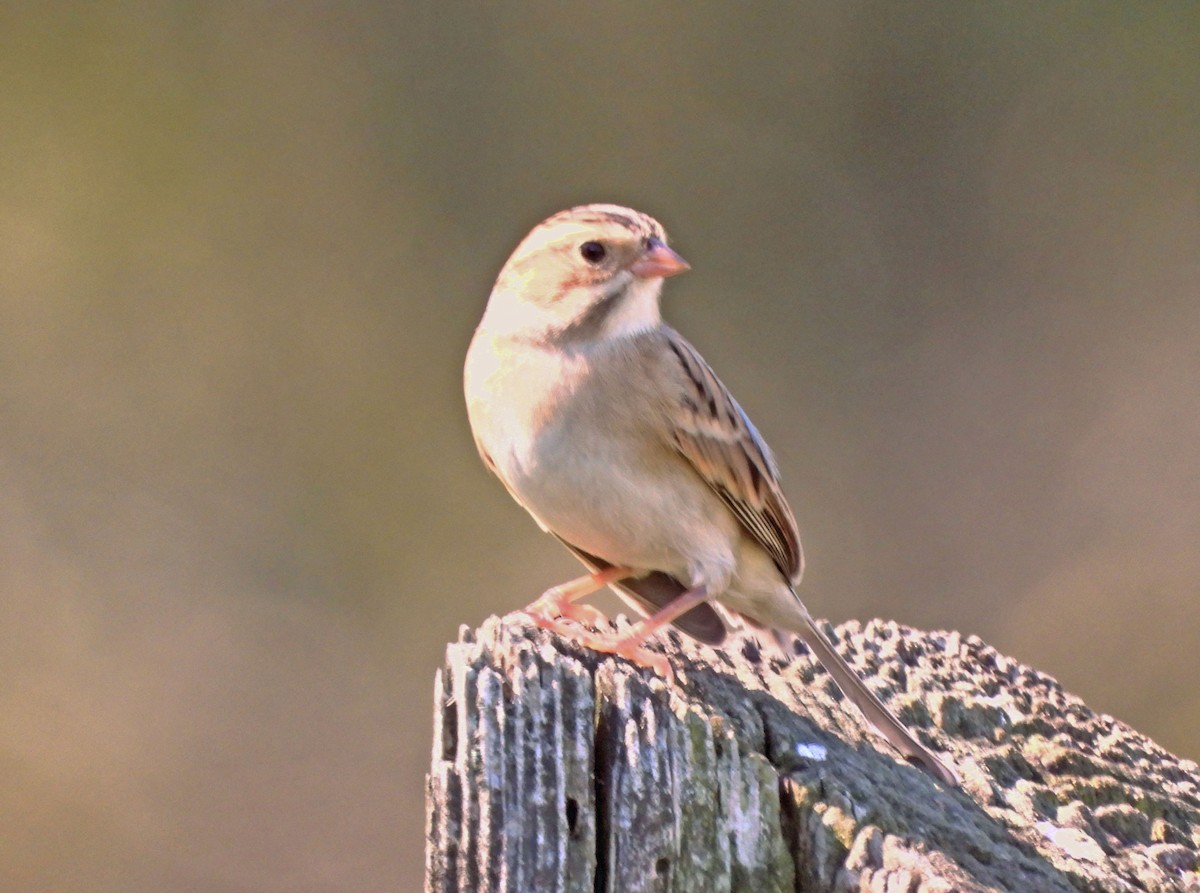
<point>877,715</point>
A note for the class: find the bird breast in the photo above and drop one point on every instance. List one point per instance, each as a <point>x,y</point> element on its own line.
<point>595,478</point>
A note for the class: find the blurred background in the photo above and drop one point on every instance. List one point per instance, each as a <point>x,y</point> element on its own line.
<point>944,253</point>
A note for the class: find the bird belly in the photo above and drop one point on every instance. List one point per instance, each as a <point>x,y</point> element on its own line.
<point>606,500</point>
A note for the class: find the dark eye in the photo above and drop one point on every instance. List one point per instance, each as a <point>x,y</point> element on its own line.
<point>593,252</point>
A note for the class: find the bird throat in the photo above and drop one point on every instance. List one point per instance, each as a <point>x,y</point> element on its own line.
<point>626,308</point>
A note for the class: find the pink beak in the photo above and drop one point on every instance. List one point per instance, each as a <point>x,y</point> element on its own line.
<point>658,260</point>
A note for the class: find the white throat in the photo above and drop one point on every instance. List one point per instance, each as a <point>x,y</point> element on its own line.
<point>637,310</point>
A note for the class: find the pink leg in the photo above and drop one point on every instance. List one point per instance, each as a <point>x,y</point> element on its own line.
<point>629,644</point>
<point>559,602</point>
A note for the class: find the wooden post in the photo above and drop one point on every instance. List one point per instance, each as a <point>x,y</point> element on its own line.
<point>558,770</point>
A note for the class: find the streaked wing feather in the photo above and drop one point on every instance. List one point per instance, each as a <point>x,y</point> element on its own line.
<point>713,432</point>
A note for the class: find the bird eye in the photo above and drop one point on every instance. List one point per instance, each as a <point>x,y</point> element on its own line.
<point>593,252</point>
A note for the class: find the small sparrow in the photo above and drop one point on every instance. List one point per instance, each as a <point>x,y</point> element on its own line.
<point>618,438</point>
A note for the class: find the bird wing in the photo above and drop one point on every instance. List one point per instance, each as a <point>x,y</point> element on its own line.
<point>710,429</point>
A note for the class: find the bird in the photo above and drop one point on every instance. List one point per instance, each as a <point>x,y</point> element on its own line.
<point>611,430</point>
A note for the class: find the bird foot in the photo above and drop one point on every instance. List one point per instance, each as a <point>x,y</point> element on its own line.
<point>551,610</point>
<point>626,645</point>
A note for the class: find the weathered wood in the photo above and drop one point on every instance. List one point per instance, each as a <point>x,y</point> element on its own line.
<point>560,770</point>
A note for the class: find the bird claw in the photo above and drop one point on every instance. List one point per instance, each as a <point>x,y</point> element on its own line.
<point>651,660</point>
<point>549,612</point>
<point>546,614</point>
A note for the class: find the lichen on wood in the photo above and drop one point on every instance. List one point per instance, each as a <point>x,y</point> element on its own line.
<point>558,769</point>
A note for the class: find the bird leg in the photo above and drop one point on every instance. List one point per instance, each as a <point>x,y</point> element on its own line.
<point>559,602</point>
<point>676,607</point>
<point>629,644</point>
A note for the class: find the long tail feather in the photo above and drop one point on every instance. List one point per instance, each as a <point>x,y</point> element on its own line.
<point>877,715</point>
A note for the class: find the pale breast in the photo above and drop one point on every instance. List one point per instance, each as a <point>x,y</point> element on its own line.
<point>582,454</point>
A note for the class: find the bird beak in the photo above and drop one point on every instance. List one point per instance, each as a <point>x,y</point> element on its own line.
<point>658,260</point>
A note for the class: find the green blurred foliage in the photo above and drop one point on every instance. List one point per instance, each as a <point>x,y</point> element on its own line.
<point>945,254</point>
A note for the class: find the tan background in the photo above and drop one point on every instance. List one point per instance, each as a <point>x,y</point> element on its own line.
<point>945,253</point>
